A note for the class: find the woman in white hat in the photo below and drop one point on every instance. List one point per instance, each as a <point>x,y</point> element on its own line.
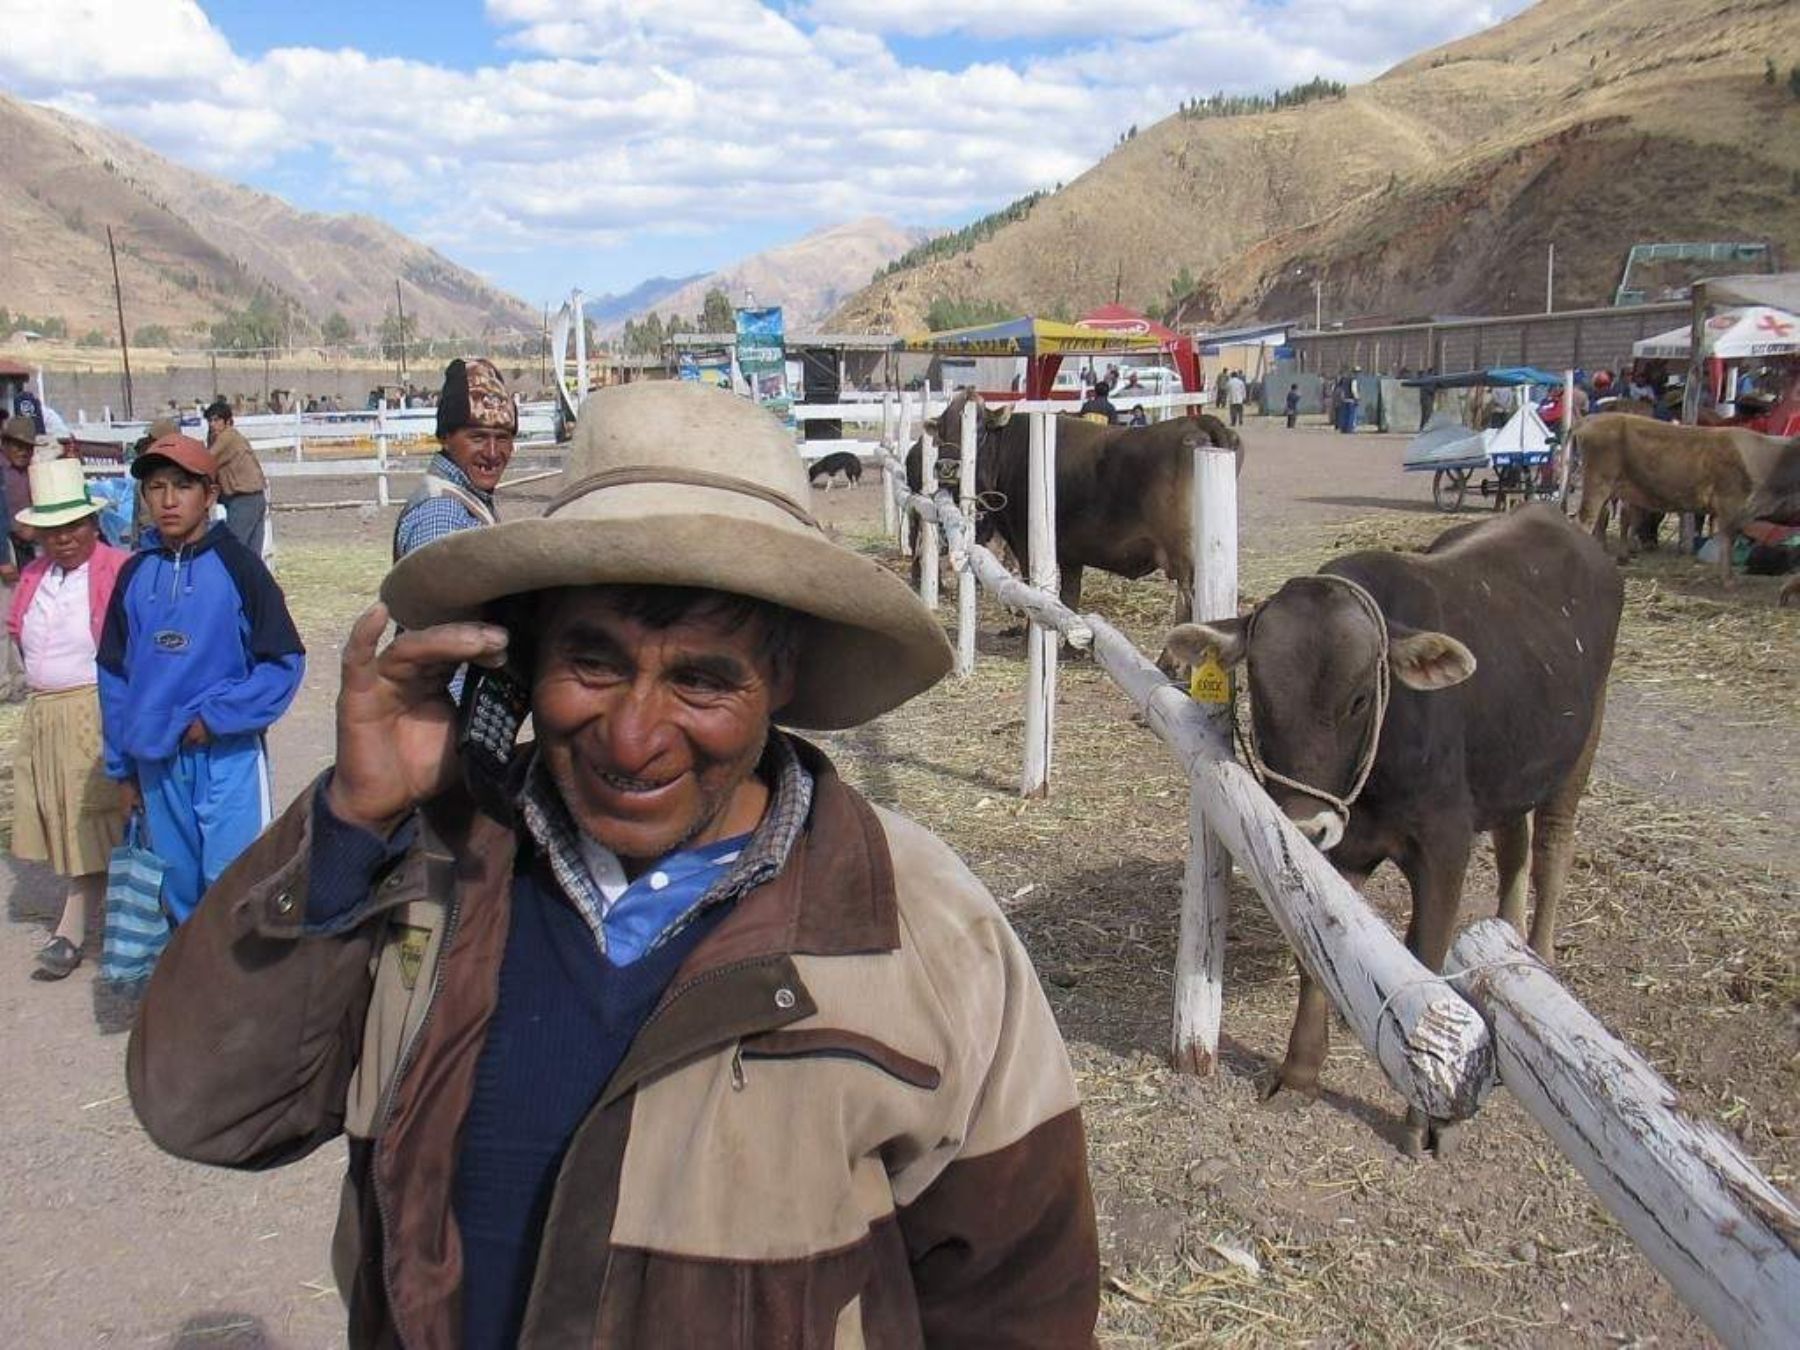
<point>65,812</point>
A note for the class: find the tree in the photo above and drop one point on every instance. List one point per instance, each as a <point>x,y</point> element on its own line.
<point>716,314</point>
<point>153,335</point>
<point>257,327</point>
<point>336,329</point>
<point>92,338</point>
<point>397,333</point>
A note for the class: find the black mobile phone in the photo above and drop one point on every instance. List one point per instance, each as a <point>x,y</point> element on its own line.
<point>488,720</point>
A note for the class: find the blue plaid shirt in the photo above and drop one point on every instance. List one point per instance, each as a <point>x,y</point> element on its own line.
<point>427,521</point>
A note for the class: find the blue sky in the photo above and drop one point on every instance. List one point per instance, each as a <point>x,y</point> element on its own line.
<point>548,143</point>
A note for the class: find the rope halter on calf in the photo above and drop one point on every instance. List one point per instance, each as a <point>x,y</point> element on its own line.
<point>1246,737</point>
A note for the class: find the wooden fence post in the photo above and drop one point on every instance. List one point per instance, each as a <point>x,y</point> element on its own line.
<point>1206,884</point>
<point>1040,684</point>
<point>966,583</point>
<point>1568,439</point>
<point>381,456</point>
<point>1722,1235</point>
<point>888,437</point>
<point>928,530</point>
<point>904,525</point>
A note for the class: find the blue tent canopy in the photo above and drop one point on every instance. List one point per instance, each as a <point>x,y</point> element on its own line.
<point>1510,376</point>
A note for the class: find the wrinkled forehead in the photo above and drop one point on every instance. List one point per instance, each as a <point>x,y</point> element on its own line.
<point>1313,629</point>
<point>695,622</point>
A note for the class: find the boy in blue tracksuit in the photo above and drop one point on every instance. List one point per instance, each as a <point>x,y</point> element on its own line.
<point>198,658</point>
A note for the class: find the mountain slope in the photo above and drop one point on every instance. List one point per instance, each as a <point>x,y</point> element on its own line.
<point>192,246</point>
<point>807,278</point>
<point>1435,187</point>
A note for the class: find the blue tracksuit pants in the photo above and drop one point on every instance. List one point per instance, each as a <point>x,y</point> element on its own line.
<point>203,808</point>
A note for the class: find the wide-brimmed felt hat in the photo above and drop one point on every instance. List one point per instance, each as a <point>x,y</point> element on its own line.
<point>19,429</point>
<point>58,495</point>
<point>181,450</point>
<point>681,484</point>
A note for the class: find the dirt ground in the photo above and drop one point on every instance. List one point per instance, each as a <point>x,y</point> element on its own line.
<point>1223,1221</point>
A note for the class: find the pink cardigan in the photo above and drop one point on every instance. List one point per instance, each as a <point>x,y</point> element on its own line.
<point>103,573</point>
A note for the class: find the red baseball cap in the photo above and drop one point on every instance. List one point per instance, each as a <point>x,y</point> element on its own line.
<point>180,450</point>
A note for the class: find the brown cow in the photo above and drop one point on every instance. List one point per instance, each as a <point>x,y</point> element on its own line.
<point>1735,475</point>
<point>1123,494</point>
<point>1496,643</point>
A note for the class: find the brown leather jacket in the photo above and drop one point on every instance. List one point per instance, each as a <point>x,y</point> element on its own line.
<point>850,1121</point>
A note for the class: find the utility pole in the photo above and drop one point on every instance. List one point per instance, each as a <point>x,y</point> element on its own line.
<point>1119,281</point>
<point>1318,304</point>
<point>544,348</point>
<point>400,327</point>
<point>1550,282</point>
<point>119,302</point>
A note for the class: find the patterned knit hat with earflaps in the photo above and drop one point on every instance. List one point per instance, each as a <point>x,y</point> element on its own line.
<point>474,395</point>
<point>680,484</point>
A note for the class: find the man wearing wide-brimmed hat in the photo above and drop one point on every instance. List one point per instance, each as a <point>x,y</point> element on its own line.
<point>65,813</point>
<point>477,422</point>
<point>243,486</point>
<point>680,1041</point>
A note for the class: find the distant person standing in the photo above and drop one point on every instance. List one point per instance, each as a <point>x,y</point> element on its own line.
<point>18,441</point>
<point>64,812</point>
<point>1291,406</point>
<point>476,424</point>
<point>1099,405</point>
<point>1235,394</point>
<point>243,488</point>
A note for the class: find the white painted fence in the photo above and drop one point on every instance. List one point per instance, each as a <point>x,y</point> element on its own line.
<point>1725,1238</point>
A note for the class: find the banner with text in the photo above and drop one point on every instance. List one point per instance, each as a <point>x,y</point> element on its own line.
<point>762,358</point>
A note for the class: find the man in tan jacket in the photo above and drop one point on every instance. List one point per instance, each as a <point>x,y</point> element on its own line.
<point>243,487</point>
<point>652,1031</point>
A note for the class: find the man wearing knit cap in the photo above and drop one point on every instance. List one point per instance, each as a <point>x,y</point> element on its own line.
<point>243,488</point>
<point>476,423</point>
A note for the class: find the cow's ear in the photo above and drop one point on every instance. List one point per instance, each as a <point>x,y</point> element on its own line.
<point>1427,660</point>
<point>931,425</point>
<point>999,417</point>
<point>1190,643</point>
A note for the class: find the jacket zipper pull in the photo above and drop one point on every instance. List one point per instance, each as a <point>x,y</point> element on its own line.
<point>737,1067</point>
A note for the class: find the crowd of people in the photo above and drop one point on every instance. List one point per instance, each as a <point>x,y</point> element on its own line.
<point>152,672</point>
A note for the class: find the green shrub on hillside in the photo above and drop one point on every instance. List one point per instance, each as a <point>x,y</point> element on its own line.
<point>961,241</point>
<point>965,313</point>
<point>1242,105</point>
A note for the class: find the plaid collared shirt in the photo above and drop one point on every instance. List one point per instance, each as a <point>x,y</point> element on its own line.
<point>547,819</point>
<point>428,521</point>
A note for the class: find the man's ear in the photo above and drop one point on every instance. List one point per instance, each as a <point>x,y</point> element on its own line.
<point>1190,643</point>
<point>1427,660</point>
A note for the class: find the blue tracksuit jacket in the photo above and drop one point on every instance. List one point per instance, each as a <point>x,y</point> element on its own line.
<point>198,632</point>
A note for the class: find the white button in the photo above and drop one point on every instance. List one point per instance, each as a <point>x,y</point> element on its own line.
<point>658,880</point>
<point>784,998</point>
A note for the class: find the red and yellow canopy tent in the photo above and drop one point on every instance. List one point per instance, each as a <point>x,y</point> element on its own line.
<point>1042,342</point>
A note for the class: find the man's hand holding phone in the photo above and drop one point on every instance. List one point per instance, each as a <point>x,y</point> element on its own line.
<point>396,725</point>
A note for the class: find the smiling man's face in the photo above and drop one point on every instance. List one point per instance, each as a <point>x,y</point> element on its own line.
<point>481,453</point>
<point>652,735</point>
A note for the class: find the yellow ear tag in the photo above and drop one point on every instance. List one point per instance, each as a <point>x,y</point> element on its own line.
<point>1210,683</point>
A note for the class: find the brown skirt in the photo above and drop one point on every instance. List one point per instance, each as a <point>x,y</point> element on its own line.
<point>65,810</point>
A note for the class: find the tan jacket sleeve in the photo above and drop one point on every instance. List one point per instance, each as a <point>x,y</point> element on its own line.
<point>997,1215</point>
<point>250,1028</point>
<point>1003,1243</point>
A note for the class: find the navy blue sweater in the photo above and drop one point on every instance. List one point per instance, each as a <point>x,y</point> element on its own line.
<point>565,1017</point>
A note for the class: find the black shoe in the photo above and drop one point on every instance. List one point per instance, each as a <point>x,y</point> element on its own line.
<point>56,959</point>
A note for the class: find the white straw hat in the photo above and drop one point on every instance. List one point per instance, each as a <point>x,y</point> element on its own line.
<point>676,483</point>
<point>58,495</point>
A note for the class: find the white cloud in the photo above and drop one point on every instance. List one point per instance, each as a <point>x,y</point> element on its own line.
<point>610,120</point>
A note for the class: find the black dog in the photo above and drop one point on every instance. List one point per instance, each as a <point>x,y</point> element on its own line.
<point>831,465</point>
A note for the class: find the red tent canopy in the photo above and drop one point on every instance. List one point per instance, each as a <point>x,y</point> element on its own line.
<point>1123,319</point>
